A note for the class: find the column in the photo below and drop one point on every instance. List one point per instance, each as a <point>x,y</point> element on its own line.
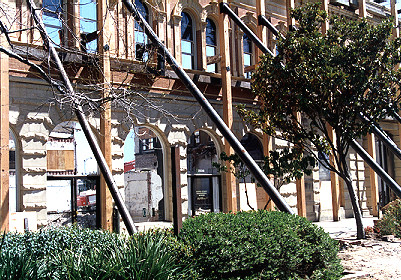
<point>4,128</point>
<point>230,188</point>
<point>262,35</point>
<point>105,203</point>
<point>300,183</point>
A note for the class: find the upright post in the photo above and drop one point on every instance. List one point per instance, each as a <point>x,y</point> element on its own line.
<point>371,142</point>
<point>262,34</point>
<point>229,190</point>
<point>362,8</point>
<point>4,150</point>
<point>106,202</point>
<point>335,182</point>
<point>300,183</point>
<point>289,5</point>
<point>176,183</point>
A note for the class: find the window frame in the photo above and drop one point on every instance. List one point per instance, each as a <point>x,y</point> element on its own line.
<point>139,31</point>
<point>210,46</point>
<point>249,53</point>
<point>56,14</point>
<point>192,42</point>
<point>91,46</point>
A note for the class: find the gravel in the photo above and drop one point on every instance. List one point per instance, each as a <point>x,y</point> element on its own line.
<point>371,259</point>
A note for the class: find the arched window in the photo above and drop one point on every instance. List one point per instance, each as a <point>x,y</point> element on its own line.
<point>211,44</point>
<point>140,37</point>
<point>52,15</point>
<point>13,192</point>
<point>187,42</point>
<point>248,56</point>
<point>88,25</point>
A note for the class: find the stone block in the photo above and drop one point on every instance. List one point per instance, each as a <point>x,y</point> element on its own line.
<point>34,197</point>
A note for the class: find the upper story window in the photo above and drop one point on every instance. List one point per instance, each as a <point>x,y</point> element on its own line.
<point>187,42</point>
<point>148,145</point>
<point>88,25</point>
<point>248,56</point>
<point>211,44</point>
<point>52,16</point>
<point>140,37</point>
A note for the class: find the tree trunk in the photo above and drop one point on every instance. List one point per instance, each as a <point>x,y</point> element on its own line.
<point>355,207</point>
<point>247,198</point>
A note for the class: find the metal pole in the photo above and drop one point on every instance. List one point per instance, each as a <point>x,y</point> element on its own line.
<point>396,116</point>
<point>262,20</point>
<point>225,9</point>
<point>228,135</point>
<point>376,167</point>
<point>101,161</point>
<point>382,136</point>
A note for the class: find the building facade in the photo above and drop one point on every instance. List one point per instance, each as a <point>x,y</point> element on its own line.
<point>105,51</point>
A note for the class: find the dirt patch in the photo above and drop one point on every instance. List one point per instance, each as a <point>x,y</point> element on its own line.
<point>371,259</point>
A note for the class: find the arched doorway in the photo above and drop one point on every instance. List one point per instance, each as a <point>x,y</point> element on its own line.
<point>72,177</point>
<point>145,195</point>
<point>13,190</point>
<point>204,191</point>
<point>252,197</point>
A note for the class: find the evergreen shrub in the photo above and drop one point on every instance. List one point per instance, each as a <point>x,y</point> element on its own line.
<point>260,245</point>
<point>390,223</point>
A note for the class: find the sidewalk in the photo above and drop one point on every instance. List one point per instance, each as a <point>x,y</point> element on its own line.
<point>345,228</point>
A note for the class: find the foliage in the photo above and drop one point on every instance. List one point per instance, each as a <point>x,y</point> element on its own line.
<point>74,253</point>
<point>318,82</point>
<point>328,79</point>
<point>288,164</point>
<point>285,165</point>
<point>391,221</point>
<point>237,167</point>
<point>260,245</point>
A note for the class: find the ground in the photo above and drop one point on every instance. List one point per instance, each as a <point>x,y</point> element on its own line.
<point>371,259</point>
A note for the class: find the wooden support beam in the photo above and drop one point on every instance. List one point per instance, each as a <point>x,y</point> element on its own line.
<point>73,34</point>
<point>300,183</point>
<point>325,7</point>
<point>106,202</point>
<point>176,183</point>
<point>394,14</point>
<point>289,5</point>
<point>4,130</point>
<point>362,8</point>
<point>335,183</point>
<point>374,191</point>
<point>262,35</point>
<point>230,188</point>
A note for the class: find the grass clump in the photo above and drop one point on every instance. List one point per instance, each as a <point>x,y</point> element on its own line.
<point>75,253</point>
<point>260,245</point>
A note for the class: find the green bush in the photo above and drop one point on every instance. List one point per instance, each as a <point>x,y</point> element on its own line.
<point>260,245</point>
<point>391,221</point>
<point>74,253</point>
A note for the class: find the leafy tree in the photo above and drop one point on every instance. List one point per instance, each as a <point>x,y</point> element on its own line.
<point>284,166</point>
<point>329,79</point>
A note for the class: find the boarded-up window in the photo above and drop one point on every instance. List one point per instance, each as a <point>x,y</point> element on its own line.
<point>60,160</point>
